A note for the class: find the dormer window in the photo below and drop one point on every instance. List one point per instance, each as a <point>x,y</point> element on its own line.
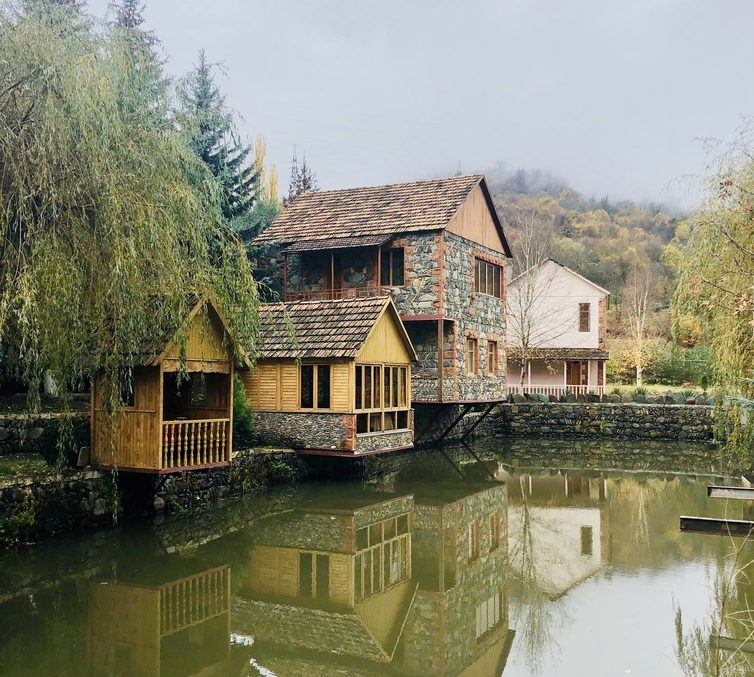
<point>584,313</point>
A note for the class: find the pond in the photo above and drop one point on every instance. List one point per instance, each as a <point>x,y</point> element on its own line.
<point>455,562</point>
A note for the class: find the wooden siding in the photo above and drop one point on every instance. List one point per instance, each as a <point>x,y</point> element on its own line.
<point>136,442</point>
<point>384,344</point>
<point>341,579</point>
<point>382,614</point>
<point>474,222</point>
<point>205,339</point>
<point>273,571</point>
<point>274,386</point>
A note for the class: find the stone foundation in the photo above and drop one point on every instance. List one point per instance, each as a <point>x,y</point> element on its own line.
<point>389,439</point>
<point>34,507</point>
<point>300,430</point>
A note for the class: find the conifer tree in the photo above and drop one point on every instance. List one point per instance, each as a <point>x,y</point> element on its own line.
<point>208,124</point>
<point>303,179</point>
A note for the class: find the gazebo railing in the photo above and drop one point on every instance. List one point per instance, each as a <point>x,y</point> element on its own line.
<point>195,442</point>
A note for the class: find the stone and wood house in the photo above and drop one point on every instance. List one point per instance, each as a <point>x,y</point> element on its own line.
<point>557,329</point>
<point>178,414</point>
<point>332,581</point>
<point>437,247</point>
<point>341,385</point>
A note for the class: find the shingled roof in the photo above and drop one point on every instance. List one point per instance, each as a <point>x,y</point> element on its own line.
<point>375,210</point>
<point>324,329</point>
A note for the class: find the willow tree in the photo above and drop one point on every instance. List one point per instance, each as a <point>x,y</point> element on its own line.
<point>107,218</point>
<point>716,269</point>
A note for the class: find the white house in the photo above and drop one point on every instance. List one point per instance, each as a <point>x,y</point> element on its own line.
<point>557,325</point>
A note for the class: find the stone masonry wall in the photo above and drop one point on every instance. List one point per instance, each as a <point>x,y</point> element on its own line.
<point>307,430</point>
<point>37,506</point>
<point>478,316</point>
<point>601,420</point>
<point>26,432</point>
<point>391,439</point>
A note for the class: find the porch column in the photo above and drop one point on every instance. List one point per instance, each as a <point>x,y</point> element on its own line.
<point>285,276</point>
<point>565,373</point>
<point>588,374</point>
<point>332,272</point>
<point>528,368</point>
<point>379,270</point>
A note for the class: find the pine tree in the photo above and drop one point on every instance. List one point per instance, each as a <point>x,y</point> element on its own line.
<point>209,126</point>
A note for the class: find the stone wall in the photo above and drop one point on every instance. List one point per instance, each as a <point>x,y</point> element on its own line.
<point>301,430</point>
<point>27,432</point>
<point>601,420</point>
<point>34,507</point>
<point>389,439</point>
<point>477,316</point>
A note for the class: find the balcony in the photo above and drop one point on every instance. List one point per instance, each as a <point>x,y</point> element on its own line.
<point>555,390</point>
<point>195,443</point>
<point>330,294</point>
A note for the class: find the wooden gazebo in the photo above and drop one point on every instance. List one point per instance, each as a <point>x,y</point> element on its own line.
<point>169,422</point>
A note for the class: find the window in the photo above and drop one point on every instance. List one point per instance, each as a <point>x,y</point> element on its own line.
<point>314,575</point>
<point>198,390</point>
<point>472,356</point>
<point>315,386</point>
<point>488,278</point>
<point>587,540</point>
<point>382,557</point>
<point>492,358</point>
<point>495,531</point>
<point>584,316</point>
<point>382,393</point>
<point>489,614</point>
<point>473,541</point>
<point>391,273</point>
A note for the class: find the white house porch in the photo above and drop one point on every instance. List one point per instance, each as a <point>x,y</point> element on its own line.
<point>576,371</point>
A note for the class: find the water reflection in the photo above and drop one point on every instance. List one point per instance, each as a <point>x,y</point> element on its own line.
<point>416,583</point>
<point>437,570</point>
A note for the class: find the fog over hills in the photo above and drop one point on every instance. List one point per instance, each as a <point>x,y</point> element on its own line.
<point>611,95</point>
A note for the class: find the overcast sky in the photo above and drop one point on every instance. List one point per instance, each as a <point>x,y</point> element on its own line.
<point>610,95</point>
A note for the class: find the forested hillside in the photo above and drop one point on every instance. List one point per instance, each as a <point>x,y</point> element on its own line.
<point>629,249</point>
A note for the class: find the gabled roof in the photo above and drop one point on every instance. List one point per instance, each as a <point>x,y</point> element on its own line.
<point>567,269</point>
<point>324,329</point>
<point>376,210</point>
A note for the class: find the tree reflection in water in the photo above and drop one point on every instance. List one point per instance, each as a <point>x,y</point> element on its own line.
<point>722,645</point>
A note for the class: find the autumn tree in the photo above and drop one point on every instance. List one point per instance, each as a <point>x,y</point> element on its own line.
<point>716,270</point>
<point>636,306</point>
<point>532,324</point>
<point>303,178</point>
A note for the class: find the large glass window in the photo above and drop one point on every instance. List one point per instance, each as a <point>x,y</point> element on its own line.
<point>488,278</point>
<point>315,386</point>
<point>382,394</point>
<point>382,557</point>
<point>392,271</point>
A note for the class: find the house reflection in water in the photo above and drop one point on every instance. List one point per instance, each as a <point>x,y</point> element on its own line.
<point>178,628</point>
<point>557,527</point>
<point>412,586</point>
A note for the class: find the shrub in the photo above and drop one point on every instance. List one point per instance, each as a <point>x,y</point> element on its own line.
<point>244,428</point>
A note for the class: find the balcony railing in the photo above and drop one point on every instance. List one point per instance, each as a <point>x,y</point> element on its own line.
<point>195,442</point>
<point>555,390</point>
<point>330,294</point>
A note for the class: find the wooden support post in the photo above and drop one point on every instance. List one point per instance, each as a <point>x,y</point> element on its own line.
<point>457,420</point>
<point>440,357</point>
<point>285,277</point>
<point>479,420</point>
<point>379,270</point>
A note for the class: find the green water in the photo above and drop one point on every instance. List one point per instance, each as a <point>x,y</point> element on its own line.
<point>441,565</point>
